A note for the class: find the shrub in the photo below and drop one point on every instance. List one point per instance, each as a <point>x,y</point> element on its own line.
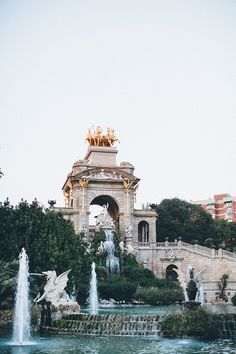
<point>137,274</point>
<point>233,299</point>
<point>118,290</point>
<point>159,296</point>
<point>193,323</point>
<point>101,272</point>
<point>83,293</point>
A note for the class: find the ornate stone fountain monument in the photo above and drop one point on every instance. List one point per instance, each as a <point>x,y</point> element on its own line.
<point>97,179</point>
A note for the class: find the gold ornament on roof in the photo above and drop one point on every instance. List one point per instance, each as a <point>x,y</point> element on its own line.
<point>96,138</point>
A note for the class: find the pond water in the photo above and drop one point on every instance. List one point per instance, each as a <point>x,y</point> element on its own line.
<point>82,344</point>
<point>116,345</point>
<point>136,310</point>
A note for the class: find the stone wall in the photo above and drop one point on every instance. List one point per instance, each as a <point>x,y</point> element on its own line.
<point>6,318</point>
<point>226,325</point>
<point>98,179</point>
<point>158,256</point>
<point>129,325</point>
<point>122,324</point>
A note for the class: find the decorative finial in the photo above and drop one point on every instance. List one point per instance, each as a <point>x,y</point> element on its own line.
<point>51,203</point>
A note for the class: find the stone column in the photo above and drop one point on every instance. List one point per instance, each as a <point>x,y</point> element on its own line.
<point>83,214</point>
<point>128,184</point>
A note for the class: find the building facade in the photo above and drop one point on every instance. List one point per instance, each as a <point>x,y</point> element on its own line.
<point>97,179</point>
<point>221,207</point>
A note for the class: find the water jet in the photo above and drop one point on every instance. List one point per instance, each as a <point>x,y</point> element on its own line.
<point>21,324</point>
<point>93,295</point>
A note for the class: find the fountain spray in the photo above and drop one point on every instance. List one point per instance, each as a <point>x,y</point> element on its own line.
<point>93,295</point>
<point>21,327</point>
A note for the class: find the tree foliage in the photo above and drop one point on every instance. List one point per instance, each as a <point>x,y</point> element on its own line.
<point>133,276</point>
<point>50,241</point>
<point>180,219</point>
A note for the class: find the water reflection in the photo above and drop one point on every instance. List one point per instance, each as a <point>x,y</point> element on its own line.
<point>118,345</point>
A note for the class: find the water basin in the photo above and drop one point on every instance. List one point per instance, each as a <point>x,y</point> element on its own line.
<point>116,345</point>
<point>135,309</point>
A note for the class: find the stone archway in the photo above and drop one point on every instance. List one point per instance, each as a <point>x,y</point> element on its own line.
<point>113,208</point>
<point>171,274</point>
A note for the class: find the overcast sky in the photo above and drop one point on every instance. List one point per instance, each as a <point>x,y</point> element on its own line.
<point>161,73</point>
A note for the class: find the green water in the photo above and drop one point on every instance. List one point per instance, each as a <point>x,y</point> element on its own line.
<point>116,345</point>
<point>137,310</point>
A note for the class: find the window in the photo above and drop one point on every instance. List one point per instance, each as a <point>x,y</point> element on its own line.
<point>143,232</point>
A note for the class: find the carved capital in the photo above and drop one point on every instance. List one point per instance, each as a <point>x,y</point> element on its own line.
<point>83,183</point>
<point>128,184</point>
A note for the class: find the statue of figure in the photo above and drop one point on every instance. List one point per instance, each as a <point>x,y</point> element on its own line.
<point>89,138</point>
<point>54,288</point>
<point>97,139</point>
<point>146,263</point>
<point>191,288</point>
<point>129,231</point>
<point>104,220</point>
<point>83,230</point>
<point>130,250</point>
<point>105,208</point>
<point>192,285</point>
<point>100,249</point>
<point>111,138</point>
<point>89,248</point>
<point>122,247</point>
<point>97,136</point>
<point>182,281</point>
<point>171,255</point>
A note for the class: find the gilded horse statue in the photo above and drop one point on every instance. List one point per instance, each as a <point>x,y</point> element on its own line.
<point>98,139</point>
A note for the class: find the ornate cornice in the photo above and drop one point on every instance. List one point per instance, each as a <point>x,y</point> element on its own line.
<point>106,173</point>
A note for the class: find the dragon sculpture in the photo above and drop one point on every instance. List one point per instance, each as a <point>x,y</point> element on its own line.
<point>54,288</point>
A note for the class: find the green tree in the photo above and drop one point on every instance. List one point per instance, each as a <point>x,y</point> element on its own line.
<point>178,218</point>
<point>50,241</point>
<point>226,234</point>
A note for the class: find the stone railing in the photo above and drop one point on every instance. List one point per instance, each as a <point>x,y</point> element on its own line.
<point>226,254</point>
<point>143,244</point>
<point>179,245</point>
<point>198,248</point>
<point>205,251</point>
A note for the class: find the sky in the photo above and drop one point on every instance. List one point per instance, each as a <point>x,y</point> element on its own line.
<point>162,73</point>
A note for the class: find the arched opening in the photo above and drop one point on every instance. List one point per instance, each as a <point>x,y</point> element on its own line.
<point>143,231</point>
<point>171,274</point>
<point>95,209</point>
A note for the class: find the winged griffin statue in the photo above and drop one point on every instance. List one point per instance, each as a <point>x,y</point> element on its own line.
<point>189,278</point>
<point>54,288</point>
